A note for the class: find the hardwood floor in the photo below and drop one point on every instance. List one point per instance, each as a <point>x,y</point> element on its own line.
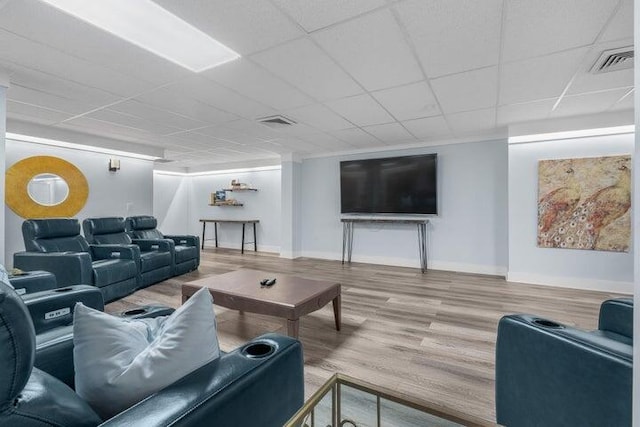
<point>430,336</point>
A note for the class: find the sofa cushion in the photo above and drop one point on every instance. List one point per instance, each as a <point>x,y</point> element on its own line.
<point>154,259</point>
<point>109,271</point>
<point>143,222</point>
<point>106,231</point>
<point>186,253</point>
<point>147,234</point>
<point>120,361</point>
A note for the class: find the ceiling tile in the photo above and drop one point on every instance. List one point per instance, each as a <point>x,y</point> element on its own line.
<point>45,24</point>
<point>356,137</point>
<point>231,135</point>
<point>427,128</point>
<point>313,14</point>
<point>41,82</point>
<point>586,81</point>
<point>107,129</point>
<point>538,78</point>
<point>319,117</point>
<point>373,50</point>
<point>361,110</point>
<point>304,65</point>
<point>409,102</point>
<point>325,142</point>
<point>471,90</point>
<point>518,113</point>
<point>390,132</point>
<point>132,121</point>
<point>245,26</point>
<point>472,121</point>
<point>152,113</point>
<point>255,82</point>
<point>626,103</point>
<point>453,35</point>
<point>29,113</point>
<point>621,26</point>
<point>218,96</point>
<point>46,100</point>
<point>539,27</point>
<point>588,103</point>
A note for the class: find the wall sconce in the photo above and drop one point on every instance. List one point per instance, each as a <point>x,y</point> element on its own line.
<point>114,165</point>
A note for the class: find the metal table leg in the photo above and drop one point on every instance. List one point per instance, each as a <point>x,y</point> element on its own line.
<point>422,245</point>
<point>242,250</point>
<point>215,228</point>
<point>204,226</point>
<point>255,239</point>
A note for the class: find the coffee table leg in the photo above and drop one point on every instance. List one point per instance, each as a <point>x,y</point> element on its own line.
<point>293,327</point>
<point>337,308</point>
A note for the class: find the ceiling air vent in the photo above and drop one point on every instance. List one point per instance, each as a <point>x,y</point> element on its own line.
<point>614,60</point>
<point>276,121</point>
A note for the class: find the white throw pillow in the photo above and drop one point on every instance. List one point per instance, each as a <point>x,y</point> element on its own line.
<point>118,362</point>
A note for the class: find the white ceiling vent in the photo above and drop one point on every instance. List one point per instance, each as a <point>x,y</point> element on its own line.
<point>276,122</point>
<point>614,60</point>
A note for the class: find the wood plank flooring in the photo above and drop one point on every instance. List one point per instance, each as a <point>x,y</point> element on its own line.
<point>429,336</point>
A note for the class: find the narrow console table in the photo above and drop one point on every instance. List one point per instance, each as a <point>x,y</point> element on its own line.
<point>244,222</point>
<point>347,235</point>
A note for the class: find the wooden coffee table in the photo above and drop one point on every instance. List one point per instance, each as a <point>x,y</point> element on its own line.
<point>290,297</point>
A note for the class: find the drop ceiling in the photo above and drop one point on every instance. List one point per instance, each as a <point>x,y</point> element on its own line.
<point>352,74</point>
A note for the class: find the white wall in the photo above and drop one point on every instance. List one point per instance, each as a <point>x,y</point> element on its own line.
<point>263,205</point>
<point>469,234</point>
<point>126,192</point>
<point>171,202</point>
<point>562,267</point>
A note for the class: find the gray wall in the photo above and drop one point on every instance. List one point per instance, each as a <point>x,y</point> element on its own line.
<point>563,267</point>
<point>126,192</point>
<point>469,234</point>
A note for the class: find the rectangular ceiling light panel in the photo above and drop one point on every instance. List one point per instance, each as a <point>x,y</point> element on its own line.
<point>149,26</point>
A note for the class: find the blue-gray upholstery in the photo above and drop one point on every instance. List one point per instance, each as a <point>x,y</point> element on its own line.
<point>156,258</point>
<point>235,390</point>
<point>186,248</point>
<point>56,245</point>
<point>33,281</point>
<point>549,374</point>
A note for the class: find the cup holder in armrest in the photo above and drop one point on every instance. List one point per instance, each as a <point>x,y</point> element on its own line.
<point>548,324</point>
<point>134,312</point>
<point>259,349</point>
<point>63,290</point>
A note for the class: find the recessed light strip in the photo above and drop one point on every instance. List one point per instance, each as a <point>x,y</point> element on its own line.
<point>219,172</point>
<point>571,134</point>
<point>151,27</point>
<point>73,146</point>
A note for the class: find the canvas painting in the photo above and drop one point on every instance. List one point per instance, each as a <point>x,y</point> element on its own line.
<point>585,203</point>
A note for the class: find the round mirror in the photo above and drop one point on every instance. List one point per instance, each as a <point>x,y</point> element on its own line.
<point>48,189</point>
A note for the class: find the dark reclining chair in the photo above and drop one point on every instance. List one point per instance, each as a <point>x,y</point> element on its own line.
<point>156,257</point>
<point>549,374</point>
<point>186,247</point>
<point>56,245</point>
<point>235,390</point>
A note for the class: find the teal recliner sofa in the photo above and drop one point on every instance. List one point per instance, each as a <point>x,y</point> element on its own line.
<point>156,257</point>
<point>186,248</point>
<point>56,245</point>
<point>549,374</point>
<point>234,390</point>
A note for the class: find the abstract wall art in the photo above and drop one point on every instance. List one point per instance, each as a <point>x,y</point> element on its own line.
<point>585,203</point>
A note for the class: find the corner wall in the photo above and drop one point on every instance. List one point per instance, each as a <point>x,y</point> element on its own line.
<point>586,269</point>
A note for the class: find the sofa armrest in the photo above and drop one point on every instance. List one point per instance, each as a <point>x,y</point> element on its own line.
<point>53,309</point>
<point>554,375</point>
<point>33,281</point>
<point>120,251</point>
<point>163,245</point>
<point>187,240</point>
<point>70,268</point>
<point>235,390</point>
<point>616,315</point>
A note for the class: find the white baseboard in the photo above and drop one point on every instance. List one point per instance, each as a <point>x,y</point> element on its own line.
<point>413,263</point>
<point>572,282</point>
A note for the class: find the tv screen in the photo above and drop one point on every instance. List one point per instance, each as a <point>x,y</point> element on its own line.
<point>393,185</point>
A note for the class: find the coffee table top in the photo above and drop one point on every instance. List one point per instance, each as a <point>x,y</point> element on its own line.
<point>349,402</point>
<point>288,290</point>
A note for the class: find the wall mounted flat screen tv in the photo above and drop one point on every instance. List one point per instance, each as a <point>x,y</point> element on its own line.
<point>393,185</point>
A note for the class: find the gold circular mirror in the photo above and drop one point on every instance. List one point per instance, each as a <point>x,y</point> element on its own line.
<point>48,189</point>
<point>24,179</point>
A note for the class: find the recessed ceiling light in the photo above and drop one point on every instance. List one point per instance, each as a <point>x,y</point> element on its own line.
<point>149,26</point>
<point>615,130</point>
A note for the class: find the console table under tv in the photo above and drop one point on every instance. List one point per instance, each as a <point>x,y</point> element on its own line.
<point>347,235</point>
